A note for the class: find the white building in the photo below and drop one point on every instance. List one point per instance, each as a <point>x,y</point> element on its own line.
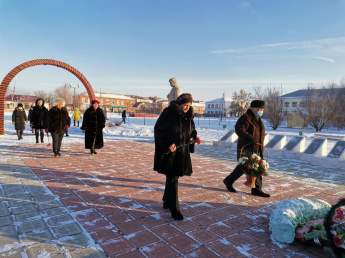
<point>218,107</point>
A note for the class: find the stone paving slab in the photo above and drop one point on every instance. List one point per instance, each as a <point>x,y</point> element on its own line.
<point>26,205</point>
<point>115,200</point>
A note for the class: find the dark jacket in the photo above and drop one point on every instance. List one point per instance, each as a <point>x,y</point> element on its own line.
<point>249,129</point>
<point>93,124</point>
<point>124,114</point>
<point>19,118</point>
<point>30,114</point>
<point>174,126</point>
<point>39,116</point>
<point>57,120</point>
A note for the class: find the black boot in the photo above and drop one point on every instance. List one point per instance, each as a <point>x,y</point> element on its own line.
<point>176,215</point>
<point>260,193</point>
<point>37,137</point>
<point>230,179</point>
<point>21,134</point>
<point>229,187</point>
<point>18,134</point>
<point>42,136</point>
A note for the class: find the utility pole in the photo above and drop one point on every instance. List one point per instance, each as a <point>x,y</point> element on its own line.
<point>75,87</point>
<point>14,89</point>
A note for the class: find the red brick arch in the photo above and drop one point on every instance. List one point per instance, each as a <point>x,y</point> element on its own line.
<point>7,80</point>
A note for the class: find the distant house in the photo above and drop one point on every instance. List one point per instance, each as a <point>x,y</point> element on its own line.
<point>111,102</point>
<point>294,101</point>
<point>218,107</point>
<point>12,100</point>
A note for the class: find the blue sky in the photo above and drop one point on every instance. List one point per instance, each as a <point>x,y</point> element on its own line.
<point>211,47</point>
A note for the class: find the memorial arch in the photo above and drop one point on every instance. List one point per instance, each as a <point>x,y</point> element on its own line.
<point>9,77</point>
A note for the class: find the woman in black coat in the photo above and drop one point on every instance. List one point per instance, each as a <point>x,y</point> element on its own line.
<point>39,118</point>
<point>18,119</point>
<point>175,135</point>
<point>93,124</point>
<point>57,123</point>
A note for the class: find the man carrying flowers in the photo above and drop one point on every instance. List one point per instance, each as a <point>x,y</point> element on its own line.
<point>251,135</point>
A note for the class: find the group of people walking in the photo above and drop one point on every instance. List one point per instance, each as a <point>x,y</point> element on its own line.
<point>56,121</point>
<point>174,134</point>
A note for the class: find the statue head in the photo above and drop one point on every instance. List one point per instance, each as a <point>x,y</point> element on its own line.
<point>173,82</point>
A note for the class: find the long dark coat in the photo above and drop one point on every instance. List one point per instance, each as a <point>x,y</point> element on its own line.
<point>93,124</point>
<point>249,127</point>
<point>57,120</point>
<point>19,118</point>
<point>174,126</point>
<point>39,116</point>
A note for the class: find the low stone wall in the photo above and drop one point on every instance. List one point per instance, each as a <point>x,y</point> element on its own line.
<point>316,152</point>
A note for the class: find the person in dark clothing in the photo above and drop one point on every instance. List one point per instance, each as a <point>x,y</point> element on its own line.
<point>30,117</point>
<point>175,137</point>
<point>93,124</point>
<point>18,119</point>
<point>124,116</point>
<point>57,123</point>
<point>251,135</point>
<point>39,119</point>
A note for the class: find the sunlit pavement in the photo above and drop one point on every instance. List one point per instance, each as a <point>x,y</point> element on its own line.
<point>109,204</point>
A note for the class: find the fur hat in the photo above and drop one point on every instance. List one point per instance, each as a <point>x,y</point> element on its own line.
<point>94,101</point>
<point>258,103</point>
<point>20,105</point>
<point>57,101</point>
<point>184,98</point>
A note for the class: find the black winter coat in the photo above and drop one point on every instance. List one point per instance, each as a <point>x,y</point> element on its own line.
<point>19,118</point>
<point>57,120</point>
<point>39,116</point>
<point>93,124</point>
<point>174,126</point>
<point>249,129</point>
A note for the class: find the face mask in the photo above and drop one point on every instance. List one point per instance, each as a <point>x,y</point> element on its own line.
<point>259,113</point>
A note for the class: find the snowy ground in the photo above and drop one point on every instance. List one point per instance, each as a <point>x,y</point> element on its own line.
<point>141,129</point>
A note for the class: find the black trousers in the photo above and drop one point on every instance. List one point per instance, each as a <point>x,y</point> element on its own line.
<point>170,196</point>
<point>57,138</point>
<point>237,173</point>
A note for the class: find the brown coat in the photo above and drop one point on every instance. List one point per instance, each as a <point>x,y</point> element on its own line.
<point>248,127</point>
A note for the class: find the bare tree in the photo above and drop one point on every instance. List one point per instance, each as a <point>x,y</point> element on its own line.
<point>240,101</point>
<point>65,93</point>
<point>41,94</point>
<point>273,105</point>
<point>321,106</point>
<point>339,120</point>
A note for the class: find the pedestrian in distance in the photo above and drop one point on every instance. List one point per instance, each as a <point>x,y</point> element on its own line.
<point>76,116</point>
<point>175,91</point>
<point>58,123</point>
<point>175,137</point>
<point>39,119</point>
<point>93,124</point>
<point>124,116</point>
<point>30,117</point>
<point>18,119</point>
<point>251,134</point>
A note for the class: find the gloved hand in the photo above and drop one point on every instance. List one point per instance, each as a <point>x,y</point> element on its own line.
<point>67,126</point>
<point>46,130</point>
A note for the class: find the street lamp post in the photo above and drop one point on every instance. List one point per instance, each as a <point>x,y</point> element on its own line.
<point>74,87</point>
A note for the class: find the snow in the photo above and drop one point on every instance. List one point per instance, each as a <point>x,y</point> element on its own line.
<point>141,129</point>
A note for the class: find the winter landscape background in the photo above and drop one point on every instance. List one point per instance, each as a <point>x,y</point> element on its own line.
<point>141,129</point>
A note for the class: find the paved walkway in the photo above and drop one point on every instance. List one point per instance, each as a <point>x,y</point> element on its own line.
<point>109,204</point>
